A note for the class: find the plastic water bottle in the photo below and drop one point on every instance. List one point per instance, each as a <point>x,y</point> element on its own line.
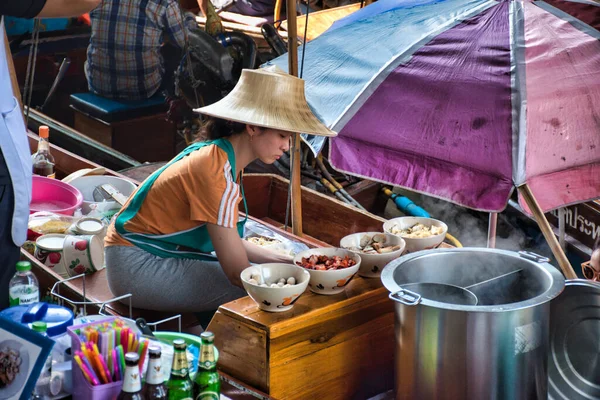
<point>23,288</point>
<point>42,386</point>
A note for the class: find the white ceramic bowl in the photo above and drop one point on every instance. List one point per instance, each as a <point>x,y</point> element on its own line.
<point>87,184</point>
<point>417,244</point>
<point>372,264</point>
<point>331,281</point>
<point>275,299</point>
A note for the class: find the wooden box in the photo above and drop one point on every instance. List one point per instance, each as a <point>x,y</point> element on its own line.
<point>326,347</point>
<point>146,138</point>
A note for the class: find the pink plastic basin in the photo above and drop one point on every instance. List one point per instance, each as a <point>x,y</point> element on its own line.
<point>55,196</point>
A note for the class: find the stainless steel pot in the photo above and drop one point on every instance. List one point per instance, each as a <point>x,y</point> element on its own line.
<point>496,349</point>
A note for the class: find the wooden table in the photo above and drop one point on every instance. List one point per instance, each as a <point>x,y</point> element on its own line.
<point>334,347</point>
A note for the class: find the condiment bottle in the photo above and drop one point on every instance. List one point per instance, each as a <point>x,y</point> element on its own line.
<point>155,388</point>
<point>132,382</point>
<point>43,161</point>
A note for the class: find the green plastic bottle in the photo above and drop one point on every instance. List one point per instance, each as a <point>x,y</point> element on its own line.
<point>207,384</point>
<point>180,385</point>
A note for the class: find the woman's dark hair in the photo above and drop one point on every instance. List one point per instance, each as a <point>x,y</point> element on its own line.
<point>216,128</point>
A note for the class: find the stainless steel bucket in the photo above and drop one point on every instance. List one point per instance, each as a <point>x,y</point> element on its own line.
<point>497,349</point>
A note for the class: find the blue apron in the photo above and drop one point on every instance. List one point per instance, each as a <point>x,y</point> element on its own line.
<point>193,243</point>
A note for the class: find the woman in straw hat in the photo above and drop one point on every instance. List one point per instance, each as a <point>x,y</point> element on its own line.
<point>159,246</point>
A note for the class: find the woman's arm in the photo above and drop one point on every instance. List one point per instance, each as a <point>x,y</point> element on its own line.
<point>235,254</point>
<point>260,255</point>
<point>230,251</point>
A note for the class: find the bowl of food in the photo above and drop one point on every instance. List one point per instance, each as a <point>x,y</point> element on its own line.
<point>419,233</point>
<point>275,287</point>
<point>331,269</point>
<point>53,195</point>
<point>375,249</point>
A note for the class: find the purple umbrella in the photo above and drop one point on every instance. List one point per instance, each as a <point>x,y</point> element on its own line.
<point>464,100</point>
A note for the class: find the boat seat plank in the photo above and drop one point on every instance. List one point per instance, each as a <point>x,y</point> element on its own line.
<point>111,110</point>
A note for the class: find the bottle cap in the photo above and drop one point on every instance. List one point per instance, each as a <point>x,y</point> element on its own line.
<point>44,131</point>
<point>154,350</point>
<point>208,336</point>
<point>132,358</point>
<point>179,344</point>
<point>23,266</point>
<point>39,326</point>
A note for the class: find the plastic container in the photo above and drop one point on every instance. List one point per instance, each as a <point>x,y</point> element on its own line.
<point>23,287</point>
<point>87,185</point>
<point>57,319</point>
<point>55,196</point>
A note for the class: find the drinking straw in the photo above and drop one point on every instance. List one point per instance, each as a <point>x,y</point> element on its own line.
<point>130,341</point>
<point>121,360</point>
<point>117,337</point>
<point>142,353</point>
<point>86,371</point>
<point>116,365</point>
<point>99,363</point>
<point>88,365</point>
<point>105,368</point>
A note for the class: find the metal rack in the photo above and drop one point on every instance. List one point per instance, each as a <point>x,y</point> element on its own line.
<point>55,291</point>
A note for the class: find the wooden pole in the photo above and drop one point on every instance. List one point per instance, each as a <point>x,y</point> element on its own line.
<point>295,150</point>
<point>544,225</point>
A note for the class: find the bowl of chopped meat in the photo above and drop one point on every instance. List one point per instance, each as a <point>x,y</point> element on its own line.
<point>331,269</point>
<point>419,233</point>
<point>375,249</point>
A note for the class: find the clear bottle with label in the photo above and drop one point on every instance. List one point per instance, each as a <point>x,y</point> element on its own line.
<point>23,288</point>
<point>43,161</point>
<point>155,388</point>
<point>132,382</point>
<point>41,390</point>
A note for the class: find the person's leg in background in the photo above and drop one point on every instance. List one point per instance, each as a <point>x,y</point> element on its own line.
<point>9,252</point>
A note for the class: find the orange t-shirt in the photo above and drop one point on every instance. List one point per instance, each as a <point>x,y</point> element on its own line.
<point>193,191</point>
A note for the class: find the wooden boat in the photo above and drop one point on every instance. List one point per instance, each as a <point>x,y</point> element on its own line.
<point>336,325</point>
<point>326,220</point>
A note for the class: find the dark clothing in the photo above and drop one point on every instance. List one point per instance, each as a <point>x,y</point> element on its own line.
<point>21,8</point>
<point>9,252</point>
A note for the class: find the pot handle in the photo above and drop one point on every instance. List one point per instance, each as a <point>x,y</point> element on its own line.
<point>406,297</point>
<point>534,257</point>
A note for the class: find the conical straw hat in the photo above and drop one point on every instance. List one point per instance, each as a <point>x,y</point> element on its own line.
<point>269,98</point>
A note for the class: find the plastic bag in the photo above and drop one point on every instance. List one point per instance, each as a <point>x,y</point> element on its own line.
<point>265,237</point>
<point>45,222</point>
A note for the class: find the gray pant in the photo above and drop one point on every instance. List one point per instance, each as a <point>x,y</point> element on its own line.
<point>167,284</point>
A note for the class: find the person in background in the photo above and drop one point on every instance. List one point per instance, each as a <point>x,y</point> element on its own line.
<point>592,271</point>
<point>159,247</point>
<point>15,156</point>
<point>135,47</point>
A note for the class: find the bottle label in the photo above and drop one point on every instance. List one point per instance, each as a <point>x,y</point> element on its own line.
<point>23,294</point>
<point>132,382</point>
<point>154,375</point>
<point>51,176</point>
<point>180,365</point>
<point>208,396</point>
<point>207,365</point>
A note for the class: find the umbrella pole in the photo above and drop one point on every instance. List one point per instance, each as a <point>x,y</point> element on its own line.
<point>544,225</point>
<point>295,153</point>
<point>492,225</point>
